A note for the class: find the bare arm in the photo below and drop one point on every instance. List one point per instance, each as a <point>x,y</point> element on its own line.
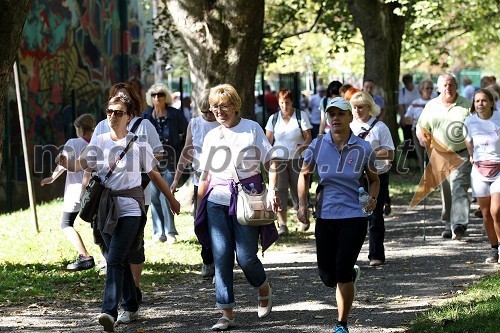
<point>270,136</point>
<point>272,198</point>
<point>77,165</point>
<point>59,170</point>
<point>322,124</point>
<point>160,183</point>
<point>470,149</point>
<point>374,188</point>
<point>307,141</point>
<point>202,187</point>
<point>303,189</point>
<point>185,159</point>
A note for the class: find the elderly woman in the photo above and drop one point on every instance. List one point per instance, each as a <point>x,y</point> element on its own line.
<point>413,113</point>
<point>341,158</point>
<point>366,126</point>
<point>171,126</point>
<point>121,209</point>
<point>240,145</point>
<point>290,132</point>
<point>197,130</point>
<point>483,144</point>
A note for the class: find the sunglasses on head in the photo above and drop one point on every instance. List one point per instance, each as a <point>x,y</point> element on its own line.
<point>159,95</point>
<point>117,113</point>
<point>363,135</point>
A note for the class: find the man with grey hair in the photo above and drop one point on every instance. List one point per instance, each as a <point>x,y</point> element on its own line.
<point>439,129</point>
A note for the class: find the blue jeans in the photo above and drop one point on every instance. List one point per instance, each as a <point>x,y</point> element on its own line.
<point>119,280</point>
<point>228,236</point>
<point>163,219</point>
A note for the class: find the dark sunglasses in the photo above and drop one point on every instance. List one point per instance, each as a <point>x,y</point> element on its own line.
<point>159,95</point>
<point>206,111</point>
<point>117,113</point>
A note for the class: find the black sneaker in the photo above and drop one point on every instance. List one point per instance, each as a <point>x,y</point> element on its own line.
<point>458,232</point>
<point>81,263</point>
<point>446,234</point>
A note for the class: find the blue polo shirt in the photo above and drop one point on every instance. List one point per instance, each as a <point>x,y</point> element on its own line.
<point>339,173</point>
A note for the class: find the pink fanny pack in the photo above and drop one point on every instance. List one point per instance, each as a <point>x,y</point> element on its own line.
<point>488,169</point>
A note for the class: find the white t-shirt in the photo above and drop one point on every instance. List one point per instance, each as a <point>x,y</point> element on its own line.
<point>103,152</point>
<point>379,138</point>
<point>288,136</point>
<point>199,129</point>
<point>415,109</point>
<point>485,136</point>
<point>73,186</point>
<point>406,97</point>
<point>146,132</point>
<point>244,145</point>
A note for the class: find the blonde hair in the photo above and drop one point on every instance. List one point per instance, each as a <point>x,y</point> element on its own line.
<point>225,93</point>
<point>204,103</point>
<point>364,98</point>
<point>158,88</point>
<point>86,122</point>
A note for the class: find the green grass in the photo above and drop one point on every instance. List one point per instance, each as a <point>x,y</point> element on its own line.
<point>475,311</point>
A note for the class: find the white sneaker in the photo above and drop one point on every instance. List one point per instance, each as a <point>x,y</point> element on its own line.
<point>357,274</point>
<point>171,239</point>
<point>223,324</point>
<point>493,256</point>
<point>127,316</point>
<point>107,322</point>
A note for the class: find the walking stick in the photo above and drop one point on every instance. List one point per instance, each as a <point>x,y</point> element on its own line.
<point>425,189</point>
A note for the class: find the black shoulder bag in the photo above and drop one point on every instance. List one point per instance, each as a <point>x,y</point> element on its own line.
<point>93,191</point>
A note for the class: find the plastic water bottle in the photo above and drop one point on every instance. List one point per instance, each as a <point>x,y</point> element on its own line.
<point>363,201</point>
<point>252,188</point>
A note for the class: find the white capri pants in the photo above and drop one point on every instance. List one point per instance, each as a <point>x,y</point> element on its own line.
<point>483,186</point>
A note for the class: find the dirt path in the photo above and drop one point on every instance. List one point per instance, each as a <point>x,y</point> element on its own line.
<point>418,273</point>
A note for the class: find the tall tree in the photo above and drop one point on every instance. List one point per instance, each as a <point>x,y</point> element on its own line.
<point>223,40</point>
<point>12,17</point>
<point>382,32</point>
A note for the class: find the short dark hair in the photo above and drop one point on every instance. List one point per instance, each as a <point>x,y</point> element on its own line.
<point>407,78</point>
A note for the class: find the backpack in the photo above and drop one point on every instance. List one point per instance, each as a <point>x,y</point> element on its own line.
<point>298,116</point>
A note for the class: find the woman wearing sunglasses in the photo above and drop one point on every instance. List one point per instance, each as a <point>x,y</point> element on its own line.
<point>366,126</point>
<point>171,126</point>
<point>121,209</point>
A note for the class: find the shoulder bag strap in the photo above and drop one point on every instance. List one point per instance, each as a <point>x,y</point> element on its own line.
<point>119,158</point>
<point>136,125</point>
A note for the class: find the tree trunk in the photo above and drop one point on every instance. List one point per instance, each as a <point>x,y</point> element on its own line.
<point>12,17</point>
<point>223,40</point>
<point>382,32</point>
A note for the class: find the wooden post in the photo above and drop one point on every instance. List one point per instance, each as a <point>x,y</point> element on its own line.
<point>26,154</point>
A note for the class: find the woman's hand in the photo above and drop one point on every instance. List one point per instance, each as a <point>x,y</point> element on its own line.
<point>45,181</point>
<point>273,201</point>
<point>303,215</point>
<point>173,186</point>
<point>370,205</point>
<point>175,206</point>
<point>62,160</point>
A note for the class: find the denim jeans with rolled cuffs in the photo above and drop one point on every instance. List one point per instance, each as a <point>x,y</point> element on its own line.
<point>163,219</point>
<point>119,280</point>
<point>228,236</point>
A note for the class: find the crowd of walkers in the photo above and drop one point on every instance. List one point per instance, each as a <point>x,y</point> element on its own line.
<point>337,136</point>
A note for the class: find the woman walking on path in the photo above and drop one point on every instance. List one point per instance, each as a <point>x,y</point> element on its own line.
<point>482,130</point>
<point>197,130</point>
<point>121,208</point>
<point>84,126</point>
<point>238,144</point>
<point>290,133</point>
<point>171,126</point>
<point>341,158</point>
<point>366,126</point>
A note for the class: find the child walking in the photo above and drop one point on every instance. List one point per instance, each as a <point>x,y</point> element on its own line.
<point>84,125</point>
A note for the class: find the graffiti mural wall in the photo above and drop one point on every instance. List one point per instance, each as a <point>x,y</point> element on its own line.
<point>71,53</point>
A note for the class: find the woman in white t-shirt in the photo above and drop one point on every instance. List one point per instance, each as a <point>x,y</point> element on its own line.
<point>242,145</point>
<point>197,130</point>
<point>84,126</point>
<point>482,130</point>
<point>290,136</point>
<point>121,209</point>
<point>366,126</point>
<point>413,113</point>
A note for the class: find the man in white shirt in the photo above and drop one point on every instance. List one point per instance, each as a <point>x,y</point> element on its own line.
<point>407,94</point>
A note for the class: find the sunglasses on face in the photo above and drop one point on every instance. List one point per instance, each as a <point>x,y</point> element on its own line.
<point>206,111</point>
<point>159,95</point>
<point>117,113</point>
